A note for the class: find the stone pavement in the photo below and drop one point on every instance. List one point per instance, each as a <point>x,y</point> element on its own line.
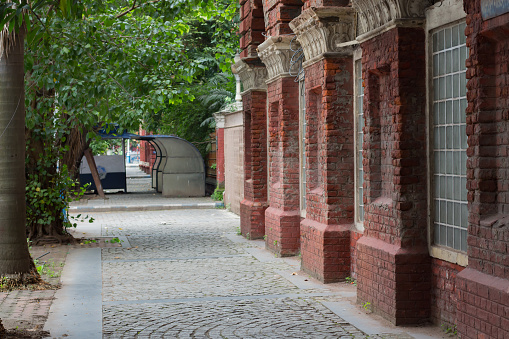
<point>25,309</point>
<point>185,273</point>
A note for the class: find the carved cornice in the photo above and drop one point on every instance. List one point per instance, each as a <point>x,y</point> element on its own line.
<point>376,14</point>
<point>253,76</point>
<point>325,30</point>
<point>276,53</point>
<point>219,118</point>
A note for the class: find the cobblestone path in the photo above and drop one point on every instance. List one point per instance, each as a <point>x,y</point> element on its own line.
<point>183,275</point>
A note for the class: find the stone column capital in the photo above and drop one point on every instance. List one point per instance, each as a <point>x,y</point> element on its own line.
<point>219,117</point>
<point>325,30</point>
<point>378,16</point>
<point>276,53</point>
<point>252,74</point>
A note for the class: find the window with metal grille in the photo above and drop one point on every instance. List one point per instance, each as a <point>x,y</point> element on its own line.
<point>302,146</point>
<point>449,141</point>
<point>359,124</point>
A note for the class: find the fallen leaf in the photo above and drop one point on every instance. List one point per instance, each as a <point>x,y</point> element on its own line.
<point>294,273</point>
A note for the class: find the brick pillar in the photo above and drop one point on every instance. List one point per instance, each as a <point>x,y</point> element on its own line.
<point>144,153</point>
<point>393,264</point>
<point>282,218</point>
<point>251,27</point>
<point>152,158</point>
<point>254,98</point>
<point>483,287</point>
<point>220,119</point>
<point>329,145</point>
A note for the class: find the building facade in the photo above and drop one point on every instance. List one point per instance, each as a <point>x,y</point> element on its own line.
<point>375,145</point>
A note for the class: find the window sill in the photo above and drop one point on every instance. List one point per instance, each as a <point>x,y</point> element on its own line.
<point>449,255</point>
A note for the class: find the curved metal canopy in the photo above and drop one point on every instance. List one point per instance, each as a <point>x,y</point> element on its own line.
<point>179,169</point>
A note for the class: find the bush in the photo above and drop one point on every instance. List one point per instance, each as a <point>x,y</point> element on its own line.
<point>218,194</point>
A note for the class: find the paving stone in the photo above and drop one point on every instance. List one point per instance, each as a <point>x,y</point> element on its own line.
<point>183,278</point>
<point>264,318</point>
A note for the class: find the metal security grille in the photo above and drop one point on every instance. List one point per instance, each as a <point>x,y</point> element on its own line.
<point>359,113</point>
<point>449,137</point>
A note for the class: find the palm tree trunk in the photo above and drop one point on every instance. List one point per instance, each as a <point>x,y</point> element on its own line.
<point>14,256</point>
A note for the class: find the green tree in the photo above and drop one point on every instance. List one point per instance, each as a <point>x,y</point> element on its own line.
<point>16,264</point>
<point>14,256</point>
<point>113,63</point>
<point>116,62</point>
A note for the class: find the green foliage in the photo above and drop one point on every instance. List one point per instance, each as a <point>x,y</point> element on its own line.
<point>351,281</point>
<point>49,185</point>
<point>193,121</point>
<point>74,219</point>
<point>47,204</point>
<point>218,194</point>
<point>108,68</point>
<point>90,63</point>
<point>45,268</point>
<point>101,147</point>
<point>452,331</point>
<point>367,306</point>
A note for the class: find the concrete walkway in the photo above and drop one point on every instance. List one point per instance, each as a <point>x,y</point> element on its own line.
<point>140,196</point>
<point>187,274</point>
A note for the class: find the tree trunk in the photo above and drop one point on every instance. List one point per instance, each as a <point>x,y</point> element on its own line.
<point>52,156</point>
<point>14,256</point>
<point>77,143</point>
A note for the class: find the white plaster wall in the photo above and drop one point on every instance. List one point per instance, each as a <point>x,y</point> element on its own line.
<point>234,161</point>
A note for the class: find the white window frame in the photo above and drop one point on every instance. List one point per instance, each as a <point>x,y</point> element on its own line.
<point>302,146</point>
<point>357,57</point>
<point>440,15</point>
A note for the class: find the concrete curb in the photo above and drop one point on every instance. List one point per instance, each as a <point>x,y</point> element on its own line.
<point>139,208</point>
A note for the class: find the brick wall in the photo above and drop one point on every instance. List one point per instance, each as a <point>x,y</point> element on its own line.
<point>282,218</point>
<point>393,266</point>
<point>325,233</point>
<point>252,208</point>
<point>251,27</point>
<point>483,287</point>
<point>329,147</point>
<point>394,137</point>
<point>278,13</point>
<point>444,296</point>
<point>488,141</point>
<point>147,154</point>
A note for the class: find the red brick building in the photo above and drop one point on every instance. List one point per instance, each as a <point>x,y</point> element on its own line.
<point>376,146</point>
<point>147,154</point>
